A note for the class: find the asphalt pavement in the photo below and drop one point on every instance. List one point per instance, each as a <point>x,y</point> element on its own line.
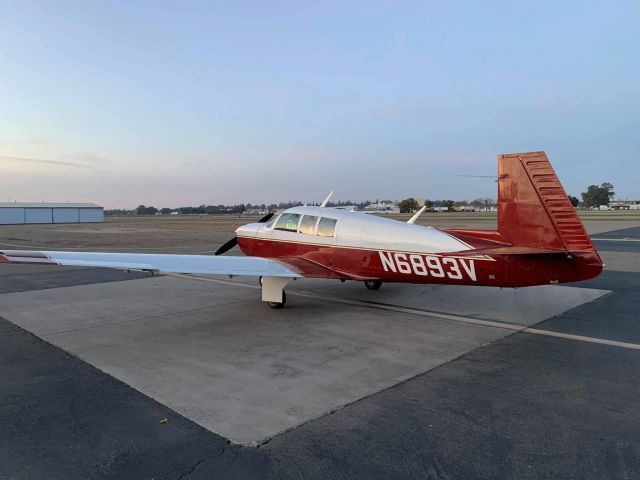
<point>525,406</point>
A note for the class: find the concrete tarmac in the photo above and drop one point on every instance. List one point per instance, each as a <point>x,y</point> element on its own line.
<point>421,390</point>
<point>215,353</point>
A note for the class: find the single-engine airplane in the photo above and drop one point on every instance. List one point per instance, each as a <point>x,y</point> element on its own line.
<point>539,240</point>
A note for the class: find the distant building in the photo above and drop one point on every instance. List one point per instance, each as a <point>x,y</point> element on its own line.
<point>382,207</point>
<point>31,213</point>
<point>465,208</point>
<point>256,211</point>
<point>622,205</point>
<point>346,207</point>
<point>475,208</point>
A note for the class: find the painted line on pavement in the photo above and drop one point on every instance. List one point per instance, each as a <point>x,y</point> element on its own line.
<point>616,239</point>
<point>426,313</point>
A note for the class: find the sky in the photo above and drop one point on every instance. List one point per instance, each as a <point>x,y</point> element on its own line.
<point>206,102</point>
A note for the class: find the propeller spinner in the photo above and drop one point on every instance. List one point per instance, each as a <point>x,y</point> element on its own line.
<point>228,245</point>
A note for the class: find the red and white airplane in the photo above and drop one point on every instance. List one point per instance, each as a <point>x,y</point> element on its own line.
<point>539,240</point>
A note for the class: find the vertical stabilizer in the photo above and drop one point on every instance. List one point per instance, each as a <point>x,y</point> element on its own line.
<point>533,208</point>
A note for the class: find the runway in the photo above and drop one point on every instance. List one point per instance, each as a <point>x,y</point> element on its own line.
<point>404,382</point>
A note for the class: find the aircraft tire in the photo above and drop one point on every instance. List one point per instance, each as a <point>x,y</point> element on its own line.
<point>373,284</point>
<point>279,304</point>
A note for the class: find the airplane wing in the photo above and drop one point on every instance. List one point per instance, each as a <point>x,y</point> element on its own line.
<point>162,263</point>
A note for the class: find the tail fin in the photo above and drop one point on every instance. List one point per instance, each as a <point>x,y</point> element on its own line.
<point>533,208</point>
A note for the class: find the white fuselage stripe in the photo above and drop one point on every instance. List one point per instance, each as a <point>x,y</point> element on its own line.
<point>370,249</point>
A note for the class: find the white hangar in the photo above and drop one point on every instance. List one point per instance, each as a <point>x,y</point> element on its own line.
<point>29,213</point>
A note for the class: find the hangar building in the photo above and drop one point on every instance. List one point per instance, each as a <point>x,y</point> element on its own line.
<point>28,213</point>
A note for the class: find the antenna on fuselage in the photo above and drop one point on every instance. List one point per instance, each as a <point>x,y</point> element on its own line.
<point>413,219</point>
<point>326,200</point>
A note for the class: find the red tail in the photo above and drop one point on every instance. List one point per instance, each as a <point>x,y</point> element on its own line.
<point>533,208</point>
<point>540,237</point>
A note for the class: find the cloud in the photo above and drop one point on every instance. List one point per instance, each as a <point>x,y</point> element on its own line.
<point>87,157</point>
<point>43,161</point>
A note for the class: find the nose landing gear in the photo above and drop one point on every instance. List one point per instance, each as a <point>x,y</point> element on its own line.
<point>373,284</point>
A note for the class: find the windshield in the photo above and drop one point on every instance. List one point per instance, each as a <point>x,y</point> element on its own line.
<point>288,222</point>
<point>271,222</point>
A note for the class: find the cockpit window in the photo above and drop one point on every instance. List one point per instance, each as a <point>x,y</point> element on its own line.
<point>288,222</point>
<point>308,224</point>
<point>326,227</point>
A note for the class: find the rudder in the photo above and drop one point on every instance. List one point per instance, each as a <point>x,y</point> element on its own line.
<point>533,208</point>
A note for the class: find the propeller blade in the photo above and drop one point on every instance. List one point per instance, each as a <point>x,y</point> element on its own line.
<point>266,218</point>
<point>227,246</point>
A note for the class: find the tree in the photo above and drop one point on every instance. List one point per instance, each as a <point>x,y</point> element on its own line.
<point>596,196</point>
<point>165,211</point>
<point>574,200</point>
<point>408,205</point>
<point>143,210</point>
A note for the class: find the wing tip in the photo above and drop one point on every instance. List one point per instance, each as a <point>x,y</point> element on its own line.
<point>24,256</point>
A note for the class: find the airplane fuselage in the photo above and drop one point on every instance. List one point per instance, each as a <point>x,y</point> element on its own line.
<point>368,247</point>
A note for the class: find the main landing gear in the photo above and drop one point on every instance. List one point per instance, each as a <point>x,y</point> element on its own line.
<point>273,291</point>
<point>274,295</point>
<point>373,284</point>
<point>279,304</point>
